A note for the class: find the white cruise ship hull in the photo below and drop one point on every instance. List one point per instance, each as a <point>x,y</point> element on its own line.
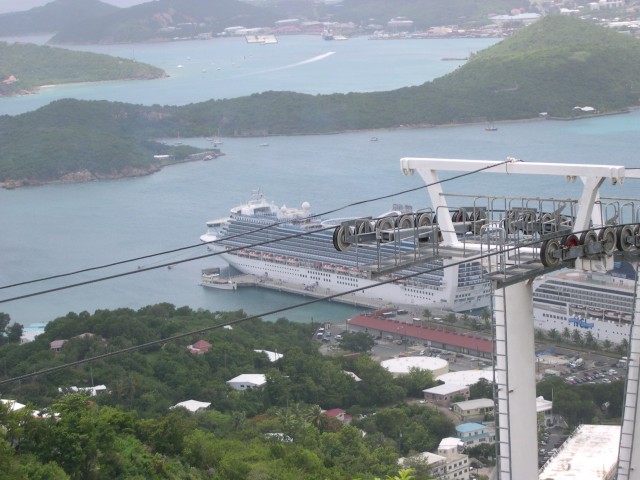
<point>328,279</point>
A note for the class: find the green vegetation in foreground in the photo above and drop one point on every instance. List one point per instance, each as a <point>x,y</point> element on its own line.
<point>551,66</point>
<point>34,66</point>
<point>132,432</point>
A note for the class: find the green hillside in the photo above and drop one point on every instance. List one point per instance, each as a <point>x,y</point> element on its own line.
<point>53,17</point>
<point>552,66</point>
<point>33,66</point>
<point>164,20</point>
<point>91,21</point>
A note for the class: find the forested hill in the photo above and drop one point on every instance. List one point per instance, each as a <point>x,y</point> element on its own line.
<point>53,17</point>
<point>91,21</point>
<point>552,66</point>
<point>25,67</point>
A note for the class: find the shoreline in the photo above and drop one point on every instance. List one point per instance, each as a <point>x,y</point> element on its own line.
<point>85,176</point>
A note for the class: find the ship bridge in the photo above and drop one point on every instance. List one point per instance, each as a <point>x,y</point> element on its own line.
<point>517,239</point>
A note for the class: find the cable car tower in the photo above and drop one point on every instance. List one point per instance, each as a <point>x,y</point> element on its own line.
<point>518,239</point>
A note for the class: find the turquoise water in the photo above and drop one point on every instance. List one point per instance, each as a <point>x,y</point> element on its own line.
<point>230,67</point>
<point>57,228</point>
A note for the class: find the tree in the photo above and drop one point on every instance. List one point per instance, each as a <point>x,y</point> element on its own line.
<point>483,388</point>
<point>590,340</point>
<point>316,417</point>
<point>566,334</point>
<point>14,333</point>
<point>5,319</point>
<point>415,381</point>
<point>623,347</point>
<point>357,342</point>
<point>576,337</point>
<point>77,440</point>
<point>426,313</point>
<point>606,345</point>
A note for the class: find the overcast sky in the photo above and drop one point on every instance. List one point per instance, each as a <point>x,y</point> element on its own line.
<point>19,5</point>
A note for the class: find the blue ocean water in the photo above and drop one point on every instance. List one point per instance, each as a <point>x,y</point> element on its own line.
<point>231,67</point>
<point>58,228</point>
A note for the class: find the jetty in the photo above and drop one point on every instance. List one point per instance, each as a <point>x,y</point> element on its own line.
<point>213,278</point>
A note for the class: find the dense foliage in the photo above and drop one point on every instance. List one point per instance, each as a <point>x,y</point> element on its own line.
<point>164,20</point>
<point>551,66</point>
<point>95,139</point>
<point>583,404</point>
<point>33,66</point>
<point>53,17</point>
<point>278,431</point>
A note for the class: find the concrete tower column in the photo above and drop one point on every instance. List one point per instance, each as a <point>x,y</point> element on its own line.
<point>515,382</point>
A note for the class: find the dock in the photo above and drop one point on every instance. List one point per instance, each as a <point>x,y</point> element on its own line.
<point>214,280</point>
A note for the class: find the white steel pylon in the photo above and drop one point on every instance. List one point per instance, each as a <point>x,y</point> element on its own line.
<point>512,296</point>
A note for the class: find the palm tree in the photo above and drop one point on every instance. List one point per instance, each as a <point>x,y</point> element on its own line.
<point>566,334</point>
<point>576,336</point>
<point>314,416</point>
<point>406,474</point>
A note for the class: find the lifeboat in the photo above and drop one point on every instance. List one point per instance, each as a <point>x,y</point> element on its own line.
<point>280,258</point>
<point>611,315</point>
<point>595,311</point>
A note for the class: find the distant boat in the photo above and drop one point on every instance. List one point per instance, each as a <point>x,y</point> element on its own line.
<point>264,145</point>
<point>374,139</point>
<point>491,128</point>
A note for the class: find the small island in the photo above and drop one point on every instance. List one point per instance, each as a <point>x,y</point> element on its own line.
<point>26,67</point>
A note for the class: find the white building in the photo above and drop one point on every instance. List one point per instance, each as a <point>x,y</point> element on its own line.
<point>403,365</point>
<point>475,433</point>
<point>466,377</point>
<point>444,394</point>
<point>273,356</point>
<point>591,453</point>
<point>447,464</point>
<point>545,408</point>
<point>247,380</point>
<point>476,409</point>
<point>193,405</point>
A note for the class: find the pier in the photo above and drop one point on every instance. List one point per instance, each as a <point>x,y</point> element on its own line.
<point>216,280</point>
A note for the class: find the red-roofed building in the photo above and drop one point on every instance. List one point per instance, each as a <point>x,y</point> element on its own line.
<point>463,342</point>
<point>200,347</point>
<point>338,414</point>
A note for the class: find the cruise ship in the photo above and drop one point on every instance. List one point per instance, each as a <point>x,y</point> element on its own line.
<point>599,303</point>
<point>292,245</point>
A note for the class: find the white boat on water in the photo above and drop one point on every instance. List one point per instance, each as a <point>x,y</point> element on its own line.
<point>301,251</point>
